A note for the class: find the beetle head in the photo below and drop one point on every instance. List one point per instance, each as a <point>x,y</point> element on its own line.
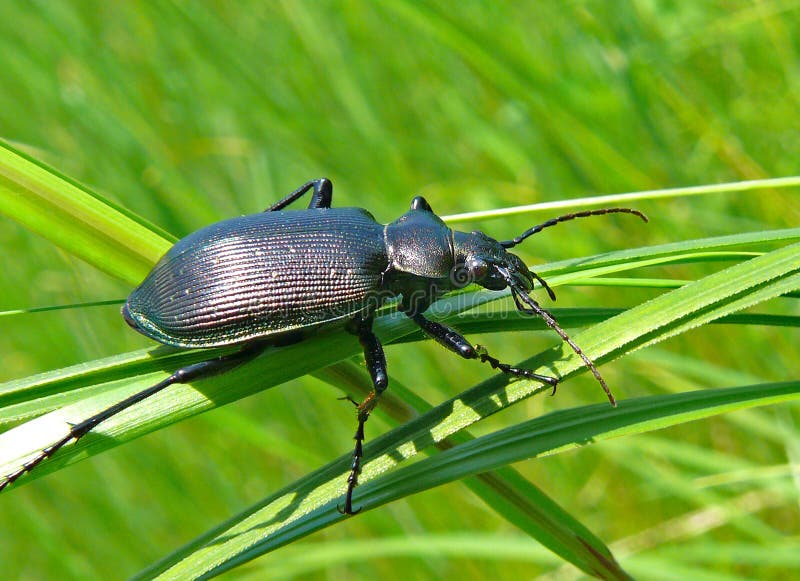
<point>483,260</point>
<point>487,262</point>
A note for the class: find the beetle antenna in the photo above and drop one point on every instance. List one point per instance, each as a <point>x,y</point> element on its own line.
<point>566,217</point>
<point>533,308</point>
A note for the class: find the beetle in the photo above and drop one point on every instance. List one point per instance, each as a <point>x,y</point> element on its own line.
<point>269,279</point>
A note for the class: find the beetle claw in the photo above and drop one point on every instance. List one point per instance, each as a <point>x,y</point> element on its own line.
<point>348,398</point>
<point>345,512</point>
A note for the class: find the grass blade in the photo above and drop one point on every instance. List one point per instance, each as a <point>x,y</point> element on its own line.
<point>309,504</point>
<point>72,217</point>
<point>265,527</point>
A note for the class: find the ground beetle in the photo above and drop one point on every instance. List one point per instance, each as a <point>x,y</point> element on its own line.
<point>270,278</point>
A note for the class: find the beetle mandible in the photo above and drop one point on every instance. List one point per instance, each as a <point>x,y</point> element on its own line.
<point>268,279</point>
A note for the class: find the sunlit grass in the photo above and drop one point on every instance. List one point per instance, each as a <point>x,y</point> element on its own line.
<point>183,116</point>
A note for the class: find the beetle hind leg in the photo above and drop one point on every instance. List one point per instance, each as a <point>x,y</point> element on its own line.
<point>183,375</point>
<point>376,364</point>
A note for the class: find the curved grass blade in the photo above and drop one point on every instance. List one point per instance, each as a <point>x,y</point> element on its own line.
<point>504,490</point>
<point>74,218</point>
<point>569,429</point>
<point>309,504</point>
<point>257,531</point>
<point>626,198</point>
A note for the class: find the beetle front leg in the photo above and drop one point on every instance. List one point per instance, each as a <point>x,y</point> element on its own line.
<point>455,342</point>
<point>376,364</point>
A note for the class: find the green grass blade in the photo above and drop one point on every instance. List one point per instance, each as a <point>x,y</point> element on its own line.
<point>569,429</point>
<point>81,222</point>
<point>264,527</point>
<point>310,504</point>
<point>626,198</point>
<point>732,247</point>
<point>277,366</point>
<point>504,490</point>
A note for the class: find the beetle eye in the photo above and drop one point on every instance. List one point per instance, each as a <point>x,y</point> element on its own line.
<point>478,269</point>
<point>484,273</point>
<point>469,272</point>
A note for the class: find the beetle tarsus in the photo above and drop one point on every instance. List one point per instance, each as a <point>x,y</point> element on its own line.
<point>484,356</point>
<point>455,342</point>
<point>348,398</point>
<point>358,453</point>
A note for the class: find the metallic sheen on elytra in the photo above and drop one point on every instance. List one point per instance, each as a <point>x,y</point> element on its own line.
<point>260,275</point>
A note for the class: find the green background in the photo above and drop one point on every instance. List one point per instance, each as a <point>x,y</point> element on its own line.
<point>188,113</point>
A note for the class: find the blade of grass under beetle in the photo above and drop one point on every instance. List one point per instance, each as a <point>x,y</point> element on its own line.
<point>69,391</point>
<point>553,433</point>
<point>35,395</point>
<point>74,218</point>
<point>568,429</point>
<point>310,504</point>
<point>182,401</point>
<point>78,384</point>
<point>278,366</point>
<point>504,491</point>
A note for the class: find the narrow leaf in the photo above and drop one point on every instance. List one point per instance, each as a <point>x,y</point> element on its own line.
<point>81,222</point>
<point>309,505</point>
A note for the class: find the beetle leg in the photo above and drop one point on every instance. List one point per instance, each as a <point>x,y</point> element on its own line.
<point>455,342</point>
<point>183,375</point>
<point>376,364</point>
<point>420,203</point>
<point>321,198</point>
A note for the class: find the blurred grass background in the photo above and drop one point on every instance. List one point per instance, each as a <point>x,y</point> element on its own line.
<point>187,113</point>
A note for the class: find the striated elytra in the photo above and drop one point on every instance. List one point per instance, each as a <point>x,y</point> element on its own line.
<point>270,278</point>
<point>265,274</point>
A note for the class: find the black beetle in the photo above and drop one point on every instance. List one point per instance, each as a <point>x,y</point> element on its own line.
<point>268,279</point>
